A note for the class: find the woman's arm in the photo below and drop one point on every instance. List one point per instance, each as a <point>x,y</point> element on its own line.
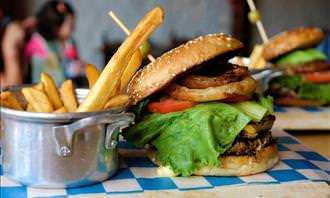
<point>12,45</point>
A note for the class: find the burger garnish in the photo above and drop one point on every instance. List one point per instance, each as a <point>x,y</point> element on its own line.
<point>231,73</point>
<point>306,81</point>
<point>183,114</point>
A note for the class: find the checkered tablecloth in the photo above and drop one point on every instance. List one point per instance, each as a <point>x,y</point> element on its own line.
<point>304,109</point>
<point>291,118</point>
<point>137,174</point>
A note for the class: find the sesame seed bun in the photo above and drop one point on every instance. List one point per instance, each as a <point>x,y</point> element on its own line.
<point>264,159</point>
<point>294,39</point>
<point>171,64</point>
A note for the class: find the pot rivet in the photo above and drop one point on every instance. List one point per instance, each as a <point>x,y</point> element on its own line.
<point>65,151</point>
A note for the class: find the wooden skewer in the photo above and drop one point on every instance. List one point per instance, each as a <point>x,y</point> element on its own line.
<point>119,22</point>
<point>151,58</point>
<point>126,30</point>
<point>259,24</point>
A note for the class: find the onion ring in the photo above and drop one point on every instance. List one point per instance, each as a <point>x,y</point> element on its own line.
<point>245,87</point>
<point>234,74</point>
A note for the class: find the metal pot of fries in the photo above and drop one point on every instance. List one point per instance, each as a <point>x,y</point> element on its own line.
<point>58,142</point>
<point>63,149</point>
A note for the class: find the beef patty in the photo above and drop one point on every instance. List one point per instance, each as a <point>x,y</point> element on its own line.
<point>244,146</point>
<point>309,67</point>
<point>253,137</point>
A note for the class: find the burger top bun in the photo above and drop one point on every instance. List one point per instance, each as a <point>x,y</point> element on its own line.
<point>288,41</point>
<point>167,67</point>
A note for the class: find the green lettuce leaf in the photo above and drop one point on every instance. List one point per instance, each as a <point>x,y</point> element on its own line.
<point>139,110</point>
<point>301,56</point>
<point>305,90</point>
<point>267,102</point>
<point>290,82</point>
<point>252,109</point>
<point>190,139</point>
<point>315,92</point>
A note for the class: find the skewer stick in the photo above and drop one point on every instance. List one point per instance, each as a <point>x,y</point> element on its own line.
<point>126,30</point>
<point>259,24</point>
<point>119,22</point>
<point>151,58</point>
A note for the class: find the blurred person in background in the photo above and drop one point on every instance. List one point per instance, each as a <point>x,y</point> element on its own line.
<point>13,36</point>
<point>51,49</point>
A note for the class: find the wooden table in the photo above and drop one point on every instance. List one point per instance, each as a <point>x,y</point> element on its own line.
<point>317,140</point>
<point>295,189</point>
<point>311,127</point>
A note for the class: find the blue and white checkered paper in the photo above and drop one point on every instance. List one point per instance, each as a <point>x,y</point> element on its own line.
<point>291,118</point>
<point>303,109</point>
<point>137,174</point>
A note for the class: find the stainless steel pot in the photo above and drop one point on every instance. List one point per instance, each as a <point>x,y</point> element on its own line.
<point>60,150</point>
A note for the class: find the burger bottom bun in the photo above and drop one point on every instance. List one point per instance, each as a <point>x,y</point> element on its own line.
<point>263,160</point>
<point>297,102</point>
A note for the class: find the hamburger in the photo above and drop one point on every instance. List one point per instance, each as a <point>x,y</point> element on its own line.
<point>306,77</point>
<point>198,115</point>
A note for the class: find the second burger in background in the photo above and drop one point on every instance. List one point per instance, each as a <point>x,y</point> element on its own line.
<point>306,79</point>
<point>198,113</point>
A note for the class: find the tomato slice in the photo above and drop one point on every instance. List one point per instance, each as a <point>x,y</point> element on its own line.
<point>170,105</point>
<point>318,77</point>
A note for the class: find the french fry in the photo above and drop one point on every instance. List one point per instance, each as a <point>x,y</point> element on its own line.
<point>51,90</point>
<point>7,99</point>
<point>38,100</point>
<point>30,108</point>
<point>68,96</point>
<point>116,101</point>
<point>61,110</point>
<point>135,62</point>
<point>256,55</point>
<point>261,63</point>
<point>40,86</point>
<point>132,67</point>
<point>109,80</point>
<point>92,74</point>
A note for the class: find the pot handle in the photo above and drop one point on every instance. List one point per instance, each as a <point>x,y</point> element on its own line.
<point>64,134</point>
